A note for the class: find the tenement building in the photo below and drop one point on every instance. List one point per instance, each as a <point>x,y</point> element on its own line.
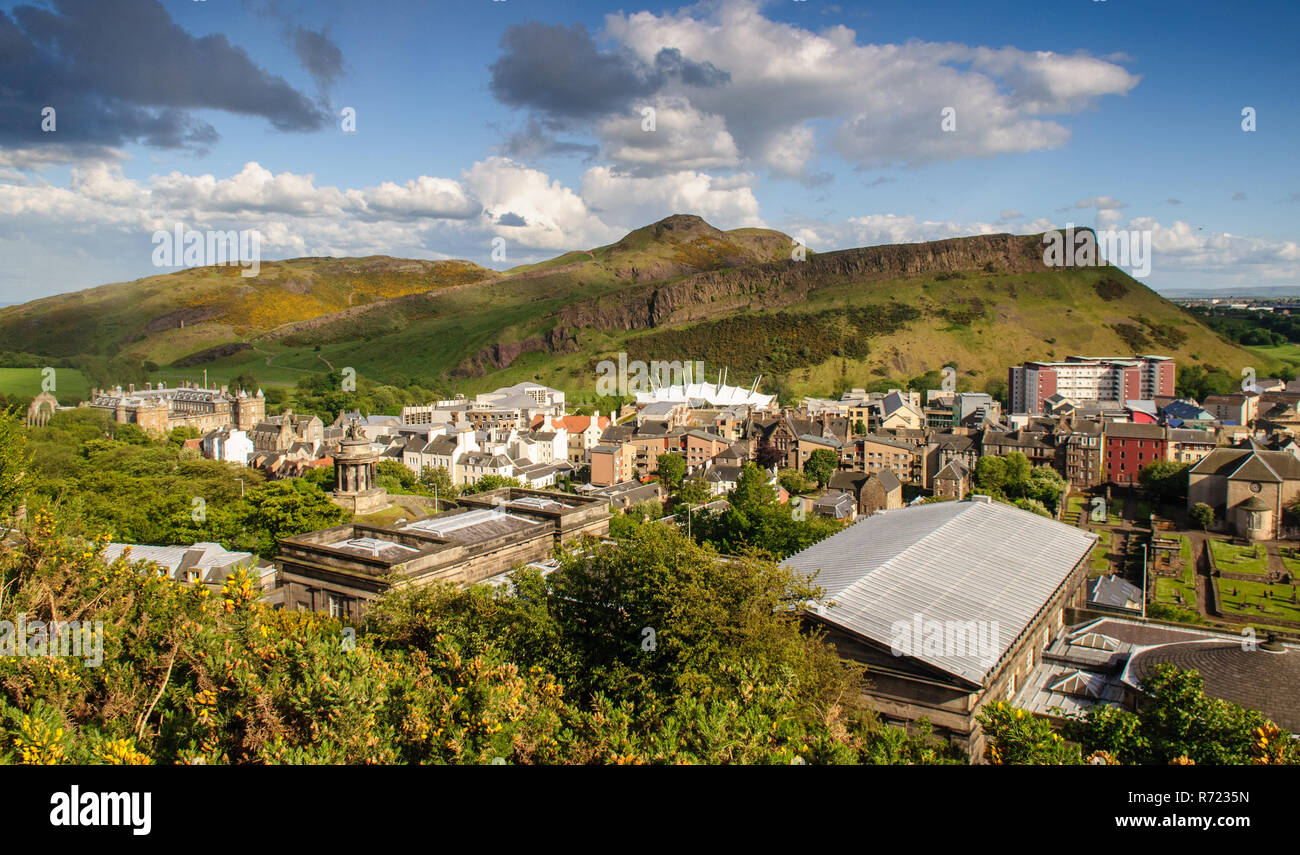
<point>159,409</point>
<point>338,570</point>
<point>949,605</point>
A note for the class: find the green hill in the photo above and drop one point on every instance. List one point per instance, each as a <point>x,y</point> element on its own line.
<point>676,290</point>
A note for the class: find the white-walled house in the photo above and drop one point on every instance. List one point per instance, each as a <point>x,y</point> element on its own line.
<point>228,444</point>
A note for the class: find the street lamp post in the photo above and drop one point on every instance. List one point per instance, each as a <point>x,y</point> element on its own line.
<point>1144,581</point>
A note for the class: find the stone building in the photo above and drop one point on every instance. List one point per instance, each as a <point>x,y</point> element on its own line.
<point>873,491</point>
<point>1248,486</point>
<point>953,480</point>
<point>280,433</point>
<point>160,409</point>
<point>949,605</point>
<point>339,570</point>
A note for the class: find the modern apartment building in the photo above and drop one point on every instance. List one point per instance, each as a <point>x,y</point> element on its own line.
<point>1086,378</point>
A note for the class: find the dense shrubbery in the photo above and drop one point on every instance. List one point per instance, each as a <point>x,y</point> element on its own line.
<point>757,522</point>
<point>1012,479</point>
<point>1177,724</point>
<point>652,652</point>
<point>777,342</point>
<point>143,489</point>
<point>322,395</point>
<point>1254,329</point>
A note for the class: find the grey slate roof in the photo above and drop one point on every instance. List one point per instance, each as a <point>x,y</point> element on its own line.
<point>949,561</point>
<point>1115,592</point>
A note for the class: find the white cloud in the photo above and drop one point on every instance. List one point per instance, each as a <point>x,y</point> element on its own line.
<point>682,138</point>
<point>881,103</point>
<point>422,197</point>
<point>727,203</point>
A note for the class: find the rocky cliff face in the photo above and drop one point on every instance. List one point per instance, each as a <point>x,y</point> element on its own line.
<point>717,293</point>
<point>497,356</point>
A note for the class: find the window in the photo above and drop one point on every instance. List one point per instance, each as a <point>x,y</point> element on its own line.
<point>335,606</point>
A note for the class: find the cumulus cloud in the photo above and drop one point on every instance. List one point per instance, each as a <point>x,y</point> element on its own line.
<point>424,217</point>
<point>773,88</point>
<point>727,202</point>
<point>422,197</point>
<point>673,134</point>
<point>129,74</point>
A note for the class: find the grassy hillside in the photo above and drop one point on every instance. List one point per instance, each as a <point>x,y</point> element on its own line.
<point>163,318</point>
<point>676,290</point>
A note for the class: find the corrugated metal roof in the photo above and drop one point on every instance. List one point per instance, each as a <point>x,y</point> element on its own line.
<point>949,561</point>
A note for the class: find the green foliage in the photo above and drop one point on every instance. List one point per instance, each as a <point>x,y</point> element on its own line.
<point>490,482</point>
<point>757,522</point>
<point>436,481</point>
<point>1197,381</point>
<point>694,491</point>
<point>1177,723</point>
<point>652,652</point>
<point>795,482</point>
<point>395,477</point>
<point>671,469</point>
<point>778,342</point>
<point>1203,515</point>
<point>821,465</point>
<point>1017,738</point>
<point>14,462</point>
<point>1165,481</point>
<point>322,395</point>
<point>1011,478</point>
<point>143,489</point>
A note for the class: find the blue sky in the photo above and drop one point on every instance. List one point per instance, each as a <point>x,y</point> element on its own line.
<point>523,120</point>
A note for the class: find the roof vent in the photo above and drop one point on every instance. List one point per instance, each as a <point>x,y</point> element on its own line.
<point>986,500</point>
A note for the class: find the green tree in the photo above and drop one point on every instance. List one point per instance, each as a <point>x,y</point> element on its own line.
<point>284,508</point>
<point>1164,481</point>
<point>821,464</point>
<point>694,491</point>
<point>671,469</point>
<point>14,461</point>
<point>491,482</point>
<point>436,480</point>
<point>753,489</point>
<point>402,476</point>
<point>795,482</point>
<point>991,475</point>
<point>1203,515</point>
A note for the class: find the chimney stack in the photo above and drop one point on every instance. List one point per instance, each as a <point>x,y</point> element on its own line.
<point>130,388</point>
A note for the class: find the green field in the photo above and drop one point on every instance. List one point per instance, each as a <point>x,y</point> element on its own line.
<point>1100,557</point>
<point>70,384</point>
<point>1286,353</point>
<point>1252,594</point>
<point>1239,559</point>
<point>1185,584</point>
